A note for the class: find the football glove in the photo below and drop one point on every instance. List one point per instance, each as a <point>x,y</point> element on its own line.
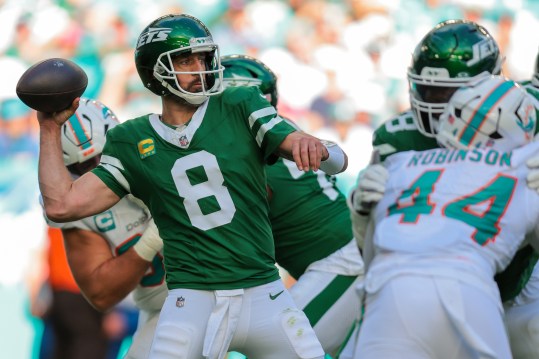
<point>371,186</point>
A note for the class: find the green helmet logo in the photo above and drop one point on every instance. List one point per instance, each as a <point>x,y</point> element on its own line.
<point>243,70</point>
<point>453,53</point>
<point>164,39</point>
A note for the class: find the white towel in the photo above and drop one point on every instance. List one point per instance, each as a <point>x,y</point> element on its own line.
<point>222,323</point>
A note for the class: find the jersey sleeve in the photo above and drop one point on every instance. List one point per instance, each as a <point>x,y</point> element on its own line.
<point>266,126</point>
<point>110,169</point>
<point>400,134</point>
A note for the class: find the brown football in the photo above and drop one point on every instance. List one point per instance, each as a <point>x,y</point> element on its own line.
<point>51,85</point>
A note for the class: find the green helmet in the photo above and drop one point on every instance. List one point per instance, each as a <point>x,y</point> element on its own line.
<point>243,70</point>
<point>164,39</point>
<point>453,53</point>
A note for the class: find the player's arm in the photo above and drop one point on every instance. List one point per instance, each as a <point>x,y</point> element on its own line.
<point>310,153</point>
<point>64,199</point>
<point>368,248</point>
<point>368,192</point>
<point>103,278</point>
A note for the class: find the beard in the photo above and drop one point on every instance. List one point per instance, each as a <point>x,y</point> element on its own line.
<point>179,100</point>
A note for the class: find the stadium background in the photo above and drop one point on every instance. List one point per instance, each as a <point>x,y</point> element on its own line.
<point>341,67</point>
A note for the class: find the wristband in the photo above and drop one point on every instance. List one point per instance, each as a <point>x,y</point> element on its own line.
<point>150,243</point>
<point>336,160</point>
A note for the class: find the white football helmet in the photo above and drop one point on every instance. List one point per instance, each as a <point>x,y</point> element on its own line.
<point>490,112</point>
<point>83,135</point>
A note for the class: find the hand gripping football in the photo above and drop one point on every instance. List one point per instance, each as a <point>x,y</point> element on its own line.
<point>51,85</point>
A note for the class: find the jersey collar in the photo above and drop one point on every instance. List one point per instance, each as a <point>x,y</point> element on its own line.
<point>179,137</point>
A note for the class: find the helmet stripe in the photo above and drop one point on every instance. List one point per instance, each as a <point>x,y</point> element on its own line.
<point>79,131</point>
<point>483,109</point>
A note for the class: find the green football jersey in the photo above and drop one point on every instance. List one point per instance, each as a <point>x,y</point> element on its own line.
<point>204,184</point>
<point>530,88</point>
<point>309,216</point>
<point>401,134</point>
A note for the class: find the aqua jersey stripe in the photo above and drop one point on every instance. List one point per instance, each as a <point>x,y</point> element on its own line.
<point>80,132</point>
<point>483,110</point>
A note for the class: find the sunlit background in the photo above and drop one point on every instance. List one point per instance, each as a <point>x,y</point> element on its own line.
<point>341,67</point>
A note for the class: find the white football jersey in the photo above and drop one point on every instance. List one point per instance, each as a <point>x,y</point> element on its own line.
<point>122,225</point>
<point>455,213</point>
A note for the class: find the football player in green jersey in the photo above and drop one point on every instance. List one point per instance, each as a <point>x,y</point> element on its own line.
<point>311,227</point>
<point>449,55</point>
<point>199,168</point>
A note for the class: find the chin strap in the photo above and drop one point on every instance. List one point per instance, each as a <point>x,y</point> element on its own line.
<point>192,99</point>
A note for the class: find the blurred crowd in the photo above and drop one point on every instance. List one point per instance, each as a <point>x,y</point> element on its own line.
<point>341,66</point>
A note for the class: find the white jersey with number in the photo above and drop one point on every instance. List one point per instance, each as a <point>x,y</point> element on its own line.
<point>453,213</point>
<point>122,226</point>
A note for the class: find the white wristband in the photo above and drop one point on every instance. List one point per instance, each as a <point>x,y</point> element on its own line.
<point>335,162</point>
<point>150,243</point>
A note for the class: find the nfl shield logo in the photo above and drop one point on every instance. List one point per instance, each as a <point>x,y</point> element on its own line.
<point>184,141</point>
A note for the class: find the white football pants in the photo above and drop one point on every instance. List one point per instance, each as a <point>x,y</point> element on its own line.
<point>262,322</point>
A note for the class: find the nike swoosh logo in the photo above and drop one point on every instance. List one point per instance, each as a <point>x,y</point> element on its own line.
<point>272,297</point>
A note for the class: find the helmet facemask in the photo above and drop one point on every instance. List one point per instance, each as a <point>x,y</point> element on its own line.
<point>211,79</point>
<point>429,98</point>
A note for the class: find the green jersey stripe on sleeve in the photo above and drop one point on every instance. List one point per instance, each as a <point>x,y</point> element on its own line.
<point>265,128</point>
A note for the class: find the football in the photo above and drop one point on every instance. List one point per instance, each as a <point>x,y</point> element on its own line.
<point>51,85</point>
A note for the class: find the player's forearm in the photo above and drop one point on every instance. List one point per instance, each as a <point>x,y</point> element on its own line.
<point>113,280</point>
<point>359,228</point>
<point>54,179</point>
<point>305,150</point>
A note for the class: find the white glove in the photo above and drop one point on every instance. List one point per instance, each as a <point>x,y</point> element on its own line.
<point>150,243</point>
<point>533,174</point>
<point>371,186</point>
